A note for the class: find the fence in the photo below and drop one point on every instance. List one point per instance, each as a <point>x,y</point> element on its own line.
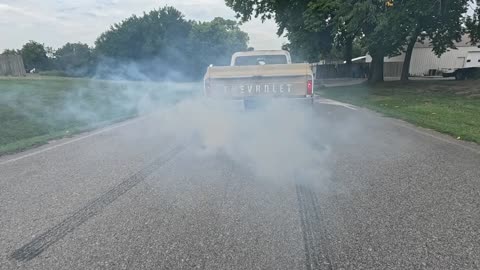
<point>12,65</point>
<point>392,69</point>
<point>355,70</point>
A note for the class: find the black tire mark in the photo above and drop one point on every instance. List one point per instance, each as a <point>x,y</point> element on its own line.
<point>40,243</point>
<point>301,205</point>
<point>313,229</point>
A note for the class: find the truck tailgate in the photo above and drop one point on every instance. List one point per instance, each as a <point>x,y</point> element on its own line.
<point>288,80</point>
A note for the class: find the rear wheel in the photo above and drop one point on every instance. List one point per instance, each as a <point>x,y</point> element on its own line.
<point>459,75</point>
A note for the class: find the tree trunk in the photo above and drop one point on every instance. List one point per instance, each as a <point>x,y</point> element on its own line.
<point>376,68</point>
<point>347,54</point>
<point>408,57</point>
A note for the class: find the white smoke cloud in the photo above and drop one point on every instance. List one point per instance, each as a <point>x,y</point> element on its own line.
<point>276,142</point>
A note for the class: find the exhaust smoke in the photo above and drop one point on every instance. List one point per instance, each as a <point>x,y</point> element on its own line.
<point>277,142</point>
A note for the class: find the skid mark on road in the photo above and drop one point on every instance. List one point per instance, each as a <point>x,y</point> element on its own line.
<point>94,207</point>
<point>313,229</point>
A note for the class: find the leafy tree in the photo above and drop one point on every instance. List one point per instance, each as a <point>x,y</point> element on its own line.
<point>389,27</point>
<point>313,27</point>
<point>305,43</point>
<point>472,24</point>
<point>382,30</point>
<point>34,56</point>
<point>338,52</point>
<point>321,16</point>
<point>154,33</point>
<point>384,27</point>
<point>439,22</point>
<point>157,41</point>
<point>76,59</point>
<point>50,52</point>
<point>163,44</point>
<point>214,42</point>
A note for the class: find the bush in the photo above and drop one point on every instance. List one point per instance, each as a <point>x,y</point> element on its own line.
<point>56,73</point>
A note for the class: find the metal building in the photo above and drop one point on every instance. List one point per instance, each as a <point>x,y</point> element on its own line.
<point>12,65</point>
<point>424,61</point>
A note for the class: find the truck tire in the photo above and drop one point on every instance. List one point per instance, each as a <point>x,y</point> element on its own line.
<point>459,75</point>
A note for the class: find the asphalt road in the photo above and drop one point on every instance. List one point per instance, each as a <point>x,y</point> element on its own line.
<point>391,196</point>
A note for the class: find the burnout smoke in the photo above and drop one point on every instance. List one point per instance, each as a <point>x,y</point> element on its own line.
<point>276,142</point>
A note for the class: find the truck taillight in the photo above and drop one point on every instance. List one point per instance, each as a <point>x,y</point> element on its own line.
<point>309,87</point>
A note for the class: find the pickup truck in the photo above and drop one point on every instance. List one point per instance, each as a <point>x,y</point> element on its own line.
<point>467,66</point>
<point>260,75</point>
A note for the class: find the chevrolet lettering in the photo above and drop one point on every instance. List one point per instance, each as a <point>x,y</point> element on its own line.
<point>258,89</point>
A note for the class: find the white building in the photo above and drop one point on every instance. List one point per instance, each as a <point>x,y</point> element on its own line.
<point>424,60</point>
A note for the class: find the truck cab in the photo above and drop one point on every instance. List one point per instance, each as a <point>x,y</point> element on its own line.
<point>252,58</point>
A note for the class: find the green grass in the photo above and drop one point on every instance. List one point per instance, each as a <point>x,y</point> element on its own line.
<point>450,107</point>
<point>34,110</point>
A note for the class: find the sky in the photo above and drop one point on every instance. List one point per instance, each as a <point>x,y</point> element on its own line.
<point>56,22</point>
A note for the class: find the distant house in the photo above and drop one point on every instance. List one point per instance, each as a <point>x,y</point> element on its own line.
<point>424,61</point>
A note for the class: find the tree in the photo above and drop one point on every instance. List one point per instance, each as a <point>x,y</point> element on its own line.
<point>305,43</point>
<point>382,31</point>
<point>438,22</point>
<point>216,41</point>
<point>154,33</point>
<point>162,44</point>
<point>34,56</point>
<point>75,59</point>
<point>472,25</point>
<point>339,51</point>
<point>314,27</point>
<point>156,42</point>
<point>385,27</point>
<point>322,16</point>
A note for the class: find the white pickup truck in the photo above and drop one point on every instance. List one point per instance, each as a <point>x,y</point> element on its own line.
<point>257,75</point>
<point>467,65</point>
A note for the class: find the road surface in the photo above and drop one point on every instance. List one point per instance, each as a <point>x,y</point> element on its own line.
<point>129,197</point>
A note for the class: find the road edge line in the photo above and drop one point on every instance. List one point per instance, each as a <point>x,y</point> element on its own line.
<point>77,139</point>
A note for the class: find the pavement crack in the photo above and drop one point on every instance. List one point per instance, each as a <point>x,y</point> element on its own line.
<point>40,243</point>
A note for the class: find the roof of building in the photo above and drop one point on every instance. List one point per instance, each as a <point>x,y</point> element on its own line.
<point>465,42</point>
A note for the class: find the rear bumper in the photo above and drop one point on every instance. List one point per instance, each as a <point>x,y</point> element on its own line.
<point>296,101</point>
<point>255,102</point>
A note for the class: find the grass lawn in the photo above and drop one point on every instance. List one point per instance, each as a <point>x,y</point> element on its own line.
<point>450,107</point>
<point>34,110</point>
